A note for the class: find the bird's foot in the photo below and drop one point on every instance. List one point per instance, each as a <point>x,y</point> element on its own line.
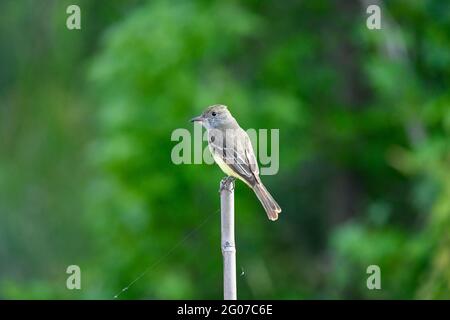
<point>227,183</point>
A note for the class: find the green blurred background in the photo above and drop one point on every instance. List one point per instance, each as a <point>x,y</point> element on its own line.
<point>86,176</point>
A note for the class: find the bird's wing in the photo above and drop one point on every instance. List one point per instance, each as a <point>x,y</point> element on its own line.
<point>236,151</point>
<point>250,154</point>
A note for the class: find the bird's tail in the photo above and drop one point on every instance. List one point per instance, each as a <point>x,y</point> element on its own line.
<point>270,205</point>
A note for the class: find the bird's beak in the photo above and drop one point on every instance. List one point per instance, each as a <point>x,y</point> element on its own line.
<point>197,119</point>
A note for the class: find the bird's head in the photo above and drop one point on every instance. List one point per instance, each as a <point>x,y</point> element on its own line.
<point>214,116</point>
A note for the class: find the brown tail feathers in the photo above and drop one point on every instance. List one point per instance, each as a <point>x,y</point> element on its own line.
<point>270,205</point>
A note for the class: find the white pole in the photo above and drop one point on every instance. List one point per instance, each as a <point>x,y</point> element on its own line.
<point>227,239</point>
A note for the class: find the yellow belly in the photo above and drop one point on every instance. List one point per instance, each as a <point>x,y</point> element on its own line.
<point>226,168</point>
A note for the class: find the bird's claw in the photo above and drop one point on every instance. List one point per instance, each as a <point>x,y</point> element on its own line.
<point>227,183</point>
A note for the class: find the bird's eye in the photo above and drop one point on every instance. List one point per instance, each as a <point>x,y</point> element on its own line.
<point>213,114</point>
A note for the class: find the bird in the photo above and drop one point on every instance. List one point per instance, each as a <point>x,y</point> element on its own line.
<point>232,150</point>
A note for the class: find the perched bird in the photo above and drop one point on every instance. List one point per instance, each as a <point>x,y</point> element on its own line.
<point>233,152</point>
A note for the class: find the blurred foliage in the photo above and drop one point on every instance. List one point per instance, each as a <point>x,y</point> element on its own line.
<point>85,171</point>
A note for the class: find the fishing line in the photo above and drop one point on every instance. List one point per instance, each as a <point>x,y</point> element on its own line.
<point>167,254</point>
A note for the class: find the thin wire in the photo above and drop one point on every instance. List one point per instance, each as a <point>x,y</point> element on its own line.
<point>168,253</point>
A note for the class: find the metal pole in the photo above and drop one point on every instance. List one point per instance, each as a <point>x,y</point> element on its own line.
<point>227,239</point>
